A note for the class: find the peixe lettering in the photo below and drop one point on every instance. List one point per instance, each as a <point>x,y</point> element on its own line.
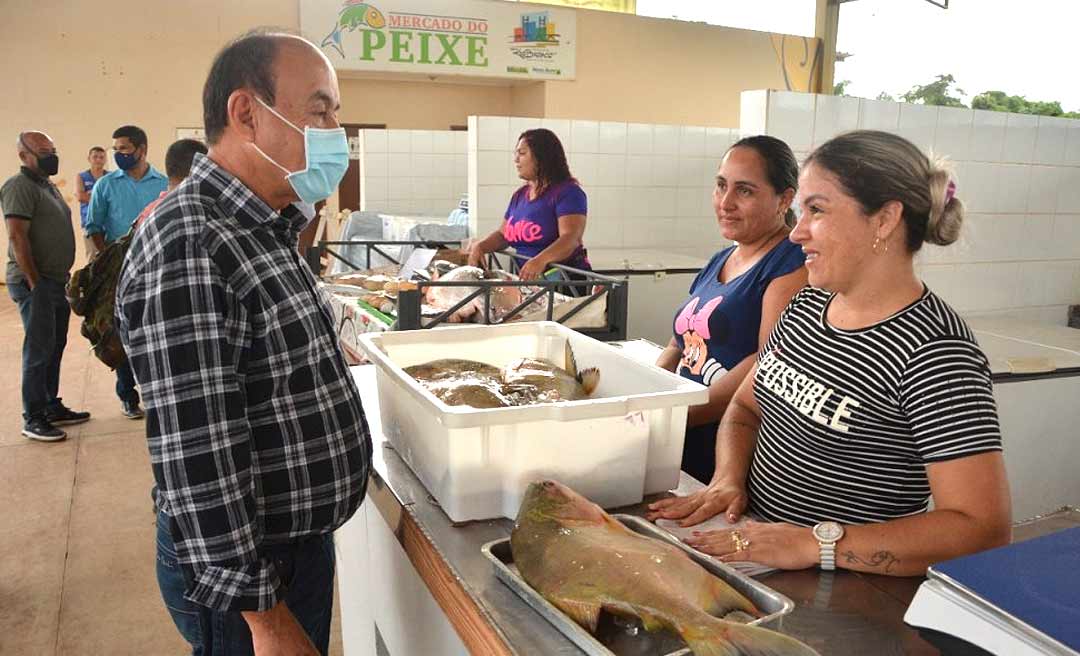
<point>523,231</point>
<point>807,396</point>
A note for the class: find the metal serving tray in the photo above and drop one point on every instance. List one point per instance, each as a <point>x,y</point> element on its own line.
<point>622,637</point>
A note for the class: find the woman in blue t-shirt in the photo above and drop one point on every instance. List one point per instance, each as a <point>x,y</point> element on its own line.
<point>736,299</point>
<point>545,221</point>
<point>84,187</point>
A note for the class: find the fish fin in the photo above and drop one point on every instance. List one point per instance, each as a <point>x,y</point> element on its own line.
<point>651,622</point>
<point>589,379</point>
<point>720,638</point>
<point>724,599</point>
<point>585,613</point>
<point>569,361</point>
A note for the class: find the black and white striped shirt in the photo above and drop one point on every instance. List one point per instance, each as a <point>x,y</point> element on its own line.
<point>256,433</point>
<point>851,418</point>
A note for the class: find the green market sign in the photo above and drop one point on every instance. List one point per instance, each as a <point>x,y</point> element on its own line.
<point>480,38</point>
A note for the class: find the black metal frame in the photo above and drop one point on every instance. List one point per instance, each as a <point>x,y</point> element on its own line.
<point>590,284</point>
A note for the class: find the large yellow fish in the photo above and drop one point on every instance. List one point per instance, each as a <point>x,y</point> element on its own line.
<point>583,561</point>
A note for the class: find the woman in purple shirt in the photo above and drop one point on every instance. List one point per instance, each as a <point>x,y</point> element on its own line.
<point>545,220</point>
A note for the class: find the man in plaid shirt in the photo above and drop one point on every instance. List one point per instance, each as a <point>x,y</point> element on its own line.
<point>257,438</point>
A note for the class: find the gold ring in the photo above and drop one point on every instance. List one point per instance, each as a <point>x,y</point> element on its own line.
<point>740,543</point>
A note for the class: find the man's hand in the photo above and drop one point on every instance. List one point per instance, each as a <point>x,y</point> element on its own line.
<point>276,632</point>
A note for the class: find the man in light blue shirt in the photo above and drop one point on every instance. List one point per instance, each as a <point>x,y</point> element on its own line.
<point>117,200</point>
<point>120,195</point>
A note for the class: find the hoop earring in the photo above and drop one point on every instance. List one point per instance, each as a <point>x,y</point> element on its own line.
<point>876,246</point>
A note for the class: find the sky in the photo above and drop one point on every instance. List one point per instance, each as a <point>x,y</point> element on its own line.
<point>1022,47</point>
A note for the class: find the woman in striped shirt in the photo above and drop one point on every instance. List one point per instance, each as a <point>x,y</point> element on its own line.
<point>871,395</point>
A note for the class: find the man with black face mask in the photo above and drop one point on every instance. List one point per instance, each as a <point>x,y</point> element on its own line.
<point>41,250</point>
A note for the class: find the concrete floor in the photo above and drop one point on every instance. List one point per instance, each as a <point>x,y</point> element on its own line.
<point>76,522</point>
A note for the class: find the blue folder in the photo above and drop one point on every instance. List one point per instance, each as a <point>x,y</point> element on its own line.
<point>1036,582</point>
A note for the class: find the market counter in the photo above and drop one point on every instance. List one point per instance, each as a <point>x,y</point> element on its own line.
<point>412,582</point>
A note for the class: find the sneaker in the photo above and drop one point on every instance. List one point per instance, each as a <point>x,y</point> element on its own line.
<point>65,416</point>
<point>131,410</point>
<point>40,429</point>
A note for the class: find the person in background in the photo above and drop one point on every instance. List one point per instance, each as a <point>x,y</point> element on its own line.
<point>736,298</point>
<point>545,221</point>
<point>41,251</point>
<point>178,160</point>
<point>115,203</point>
<point>84,185</point>
<point>871,395</point>
<point>258,441</point>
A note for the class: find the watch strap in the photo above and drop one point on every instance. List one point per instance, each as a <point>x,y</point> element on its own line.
<point>828,555</point>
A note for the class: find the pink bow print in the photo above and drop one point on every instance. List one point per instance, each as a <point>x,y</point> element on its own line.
<point>698,322</point>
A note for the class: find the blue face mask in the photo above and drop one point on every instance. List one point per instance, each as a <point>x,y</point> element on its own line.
<point>327,155</point>
<point>126,161</point>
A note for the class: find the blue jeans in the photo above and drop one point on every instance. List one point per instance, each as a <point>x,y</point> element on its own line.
<point>125,383</point>
<point>306,569</point>
<point>45,314</point>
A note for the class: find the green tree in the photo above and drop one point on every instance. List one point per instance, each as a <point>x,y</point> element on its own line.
<point>935,93</point>
<point>840,88</point>
<point>885,96</point>
<point>999,101</point>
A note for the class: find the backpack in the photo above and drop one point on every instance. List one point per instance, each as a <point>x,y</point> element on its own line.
<point>91,292</point>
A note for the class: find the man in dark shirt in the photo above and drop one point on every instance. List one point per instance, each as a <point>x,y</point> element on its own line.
<point>258,442</point>
<point>41,250</point>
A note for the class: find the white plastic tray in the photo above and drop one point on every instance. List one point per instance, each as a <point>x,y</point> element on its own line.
<point>614,448</point>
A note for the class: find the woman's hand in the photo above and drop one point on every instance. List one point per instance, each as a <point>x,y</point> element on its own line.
<point>533,269</point>
<point>784,546</point>
<point>476,256</point>
<point>701,505</point>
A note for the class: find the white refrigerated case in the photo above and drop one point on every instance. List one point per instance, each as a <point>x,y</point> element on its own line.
<point>1036,369</point>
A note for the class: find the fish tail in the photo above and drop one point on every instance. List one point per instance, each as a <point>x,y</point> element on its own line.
<point>333,39</point>
<point>721,638</point>
<point>589,379</point>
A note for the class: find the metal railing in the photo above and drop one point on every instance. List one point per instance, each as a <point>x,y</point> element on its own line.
<point>588,286</point>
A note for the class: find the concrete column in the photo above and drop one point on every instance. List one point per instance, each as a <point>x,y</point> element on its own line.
<point>826,20</point>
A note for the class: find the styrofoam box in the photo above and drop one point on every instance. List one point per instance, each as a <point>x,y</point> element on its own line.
<point>615,447</point>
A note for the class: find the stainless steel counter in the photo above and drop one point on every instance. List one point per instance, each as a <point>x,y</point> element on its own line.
<point>836,613</point>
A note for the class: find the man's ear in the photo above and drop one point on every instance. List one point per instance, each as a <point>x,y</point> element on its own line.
<point>241,113</point>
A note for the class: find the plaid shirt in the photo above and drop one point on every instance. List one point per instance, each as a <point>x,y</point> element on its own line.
<point>256,433</point>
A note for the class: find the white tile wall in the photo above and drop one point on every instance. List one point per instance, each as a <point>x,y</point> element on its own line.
<point>834,114</point>
<point>918,124</point>
<point>412,171</point>
<point>1018,176</point>
<point>1072,144</point>
<point>1020,133</point>
<point>648,185</point>
<point>787,116</point>
<point>953,134</point>
<point>987,135</point>
<point>879,115</point>
<point>1050,140</point>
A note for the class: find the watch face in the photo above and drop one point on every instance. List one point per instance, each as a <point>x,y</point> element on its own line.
<point>828,531</point>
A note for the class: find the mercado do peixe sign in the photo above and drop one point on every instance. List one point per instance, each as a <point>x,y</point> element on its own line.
<point>480,38</point>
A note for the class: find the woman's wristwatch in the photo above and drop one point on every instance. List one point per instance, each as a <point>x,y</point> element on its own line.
<point>827,535</point>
